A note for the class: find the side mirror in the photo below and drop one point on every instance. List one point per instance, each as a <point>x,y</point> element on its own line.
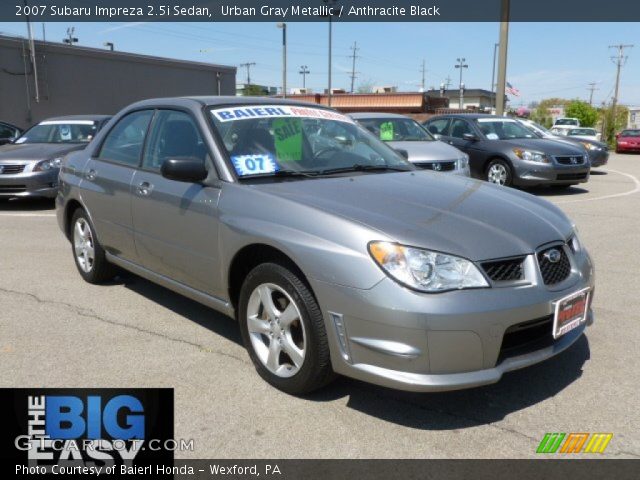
<point>402,152</point>
<point>184,169</point>
<point>470,137</point>
<point>5,140</point>
<point>617,135</point>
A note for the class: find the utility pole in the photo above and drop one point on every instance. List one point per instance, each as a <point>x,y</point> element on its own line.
<point>248,66</point>
<point>423,71</point>
<point>447,82</point>
<point>283,26</point>
<point>619,60</point>
<point>592,88</point>
<point>493,73</point>
<point>502,57</point>
<point>70,40</point>
<point>461,65</point>
<point>32,55</point>
<point>354,55</point>
<point>304,71</point>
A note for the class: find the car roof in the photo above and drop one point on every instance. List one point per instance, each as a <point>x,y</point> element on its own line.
<point>77,117</point>
<point>472,116</point>
<point>226,101</point>
<point>366,115</point>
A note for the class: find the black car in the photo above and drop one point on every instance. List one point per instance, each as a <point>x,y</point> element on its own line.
<point>8,133</point>
<point>504,152</point>
<point>29,165</point>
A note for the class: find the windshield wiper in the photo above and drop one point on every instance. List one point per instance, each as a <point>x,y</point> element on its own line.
<point>363,168</point>
<point>283,173</point>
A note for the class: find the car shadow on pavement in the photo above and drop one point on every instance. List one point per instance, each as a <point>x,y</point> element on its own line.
<point>27,204</point>
<point>464,408</point>
<point>556,192</point>
<point>598,172</point>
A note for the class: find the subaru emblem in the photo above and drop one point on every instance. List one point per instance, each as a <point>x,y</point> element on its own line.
<point>553,255</point>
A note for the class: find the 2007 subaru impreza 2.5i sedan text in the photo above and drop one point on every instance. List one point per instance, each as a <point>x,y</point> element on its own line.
<point>342,259</point>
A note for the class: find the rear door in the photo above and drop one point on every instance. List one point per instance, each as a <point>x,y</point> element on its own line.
<point>106,183</point>
<point>176,223</point>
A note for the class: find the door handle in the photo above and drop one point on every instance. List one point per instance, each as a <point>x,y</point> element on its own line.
<point>91,175</point>
<point>144,188</point>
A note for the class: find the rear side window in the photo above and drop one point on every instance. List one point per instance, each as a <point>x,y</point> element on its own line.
<point>438,127</point>
<point>124,142</point>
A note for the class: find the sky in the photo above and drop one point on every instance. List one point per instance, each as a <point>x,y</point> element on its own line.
<point>544,59</point>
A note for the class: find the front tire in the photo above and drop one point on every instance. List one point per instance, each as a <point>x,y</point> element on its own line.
<point>88,254</point>
<point>283,330</point>
<point>499,173</point>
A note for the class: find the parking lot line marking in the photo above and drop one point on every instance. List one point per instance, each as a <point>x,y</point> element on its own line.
<point>21,214</point>
<point>613,195</point>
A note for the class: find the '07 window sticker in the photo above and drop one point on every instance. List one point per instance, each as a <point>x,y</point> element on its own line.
<point>254,164</point>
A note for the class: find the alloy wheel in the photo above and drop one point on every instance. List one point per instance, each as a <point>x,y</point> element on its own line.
<point>276,330</point>
<point>83,245</point>
<point>497,174</point>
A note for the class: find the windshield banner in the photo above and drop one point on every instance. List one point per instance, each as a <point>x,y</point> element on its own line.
<point>275,111</point>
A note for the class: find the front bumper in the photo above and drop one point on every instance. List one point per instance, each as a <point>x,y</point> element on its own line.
<point>598,158</point>
<point>530,174</point>
<point>398,338</point>
<point>29,184</point>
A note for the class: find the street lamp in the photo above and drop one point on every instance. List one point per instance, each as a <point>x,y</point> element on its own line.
<point>283,26</point>
<point>109,45</point>
<point>304,71</point>
<point>330,4</point>
<point>461,65</point>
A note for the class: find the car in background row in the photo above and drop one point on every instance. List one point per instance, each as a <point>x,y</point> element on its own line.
<point>628,141</point>
<point>597,151</point>
<point>29,165</point>
<point>406,135</point>
<point>503,151</point>
<point>583,132</point>
<point>8,133</point>
<point>566,122</point>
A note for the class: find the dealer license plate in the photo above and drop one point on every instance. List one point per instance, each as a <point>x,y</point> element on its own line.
<point>570,312</point>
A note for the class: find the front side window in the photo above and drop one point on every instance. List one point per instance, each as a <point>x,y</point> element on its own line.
<point>60,131</point>
<point>438,127</point>
<point>459,128</point>
<point>396,129</point>
<point>124,142</point>
<point>174,135</point>
<point>267,140</point>
<point>495,129</point>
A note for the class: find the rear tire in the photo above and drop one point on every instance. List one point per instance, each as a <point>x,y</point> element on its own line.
<point>283,330</point>
<point>88,254</point>
<point>499,173</point>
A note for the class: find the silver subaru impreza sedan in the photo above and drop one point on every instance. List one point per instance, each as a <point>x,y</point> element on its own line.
<point>335,256</point>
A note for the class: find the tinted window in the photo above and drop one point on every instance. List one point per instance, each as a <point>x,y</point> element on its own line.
<point>174,135</point>
<point>500,129</point>
<point>438,127</point>
<point>124,142</point>
<point>459,128</point>
<point>396,129</point>
<point>60,131</point>
<point>6,131</point>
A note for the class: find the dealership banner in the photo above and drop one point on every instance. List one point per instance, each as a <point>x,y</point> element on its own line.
<point>317,10</point>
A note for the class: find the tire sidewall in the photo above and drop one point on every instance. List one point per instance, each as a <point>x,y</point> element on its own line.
<point>98,256</point>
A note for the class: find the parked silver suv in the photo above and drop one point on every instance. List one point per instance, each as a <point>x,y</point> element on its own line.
<point>334,254</point>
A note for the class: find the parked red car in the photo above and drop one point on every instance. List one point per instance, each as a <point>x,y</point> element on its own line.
<point>628,141</point>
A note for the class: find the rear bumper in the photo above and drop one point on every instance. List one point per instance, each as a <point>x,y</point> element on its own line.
<point>29,184</point>
<point>627,148</point>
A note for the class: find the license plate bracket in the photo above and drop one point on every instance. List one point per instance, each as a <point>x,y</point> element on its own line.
<point>570,312</point>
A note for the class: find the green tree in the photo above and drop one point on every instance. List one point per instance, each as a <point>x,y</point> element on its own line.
<point>542,115</point>
<point>253,91</point>
<point>584,112</point>
<point>611,126</point>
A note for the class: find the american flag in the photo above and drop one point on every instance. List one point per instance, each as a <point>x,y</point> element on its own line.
<point>512,90</point>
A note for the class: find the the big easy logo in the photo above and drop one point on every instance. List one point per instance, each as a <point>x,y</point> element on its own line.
<point>107,426</point>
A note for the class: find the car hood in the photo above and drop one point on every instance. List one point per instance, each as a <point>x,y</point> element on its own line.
<point>579,141</point>
<point>550,147</point>
<point>36,151</point>
<point>630,139</point>
<point>427,151</point>
<point>464,217</point>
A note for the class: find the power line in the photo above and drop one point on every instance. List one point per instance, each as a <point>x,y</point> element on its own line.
<point>354,55</point>
<point>248,66</point>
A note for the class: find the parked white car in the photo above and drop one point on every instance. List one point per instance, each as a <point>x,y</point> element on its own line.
<point>586,133</point>
<point>566,121</point>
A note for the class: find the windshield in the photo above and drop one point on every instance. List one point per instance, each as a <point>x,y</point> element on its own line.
<point>495,129</point>
<point>270,140</point>
<point>566,121</point>
<point>396,129</point>
<point>583,132</point>
<point>59,131</point>
<point>630,133</point>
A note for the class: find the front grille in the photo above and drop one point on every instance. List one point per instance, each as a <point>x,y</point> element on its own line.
<point>554,272</point>
<point>505,270</point>
<point>527,337</point>
<point>11,169</point>
<point>12,188</point>
<point>571,176</point>
<point>571,160</point>
<point>437,166</point>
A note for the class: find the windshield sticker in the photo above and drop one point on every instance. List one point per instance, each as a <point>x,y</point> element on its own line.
<point>67,122</point>
<point>254,164</point>
<point>386,131</point>
<point>492,136</point>
<point>65,132</point>
<point>288,139</point>
<point>275,111</point>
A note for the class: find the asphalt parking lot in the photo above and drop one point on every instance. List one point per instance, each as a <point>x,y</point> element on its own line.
<point>57,331</point>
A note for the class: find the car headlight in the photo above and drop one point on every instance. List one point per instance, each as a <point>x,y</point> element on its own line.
<point>574,241</point>
<point>590,146</point>
<point>425,270</point>
<point>46,165</point>
<point>463,161</point>
<point>530,155</point>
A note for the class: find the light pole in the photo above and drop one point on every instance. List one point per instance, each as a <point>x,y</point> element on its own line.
<point>304,71</point>
<point>330,4</point>
<point>502,57</point>
<point>493,73</point>
<point>461,65</point>
<point>109,45</point>
<point>283,26</point>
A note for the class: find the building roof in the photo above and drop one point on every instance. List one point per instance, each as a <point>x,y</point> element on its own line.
<point>468,92</point>
<point>366,102</point>
<point>367,115</point>
<point>95,118</point>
